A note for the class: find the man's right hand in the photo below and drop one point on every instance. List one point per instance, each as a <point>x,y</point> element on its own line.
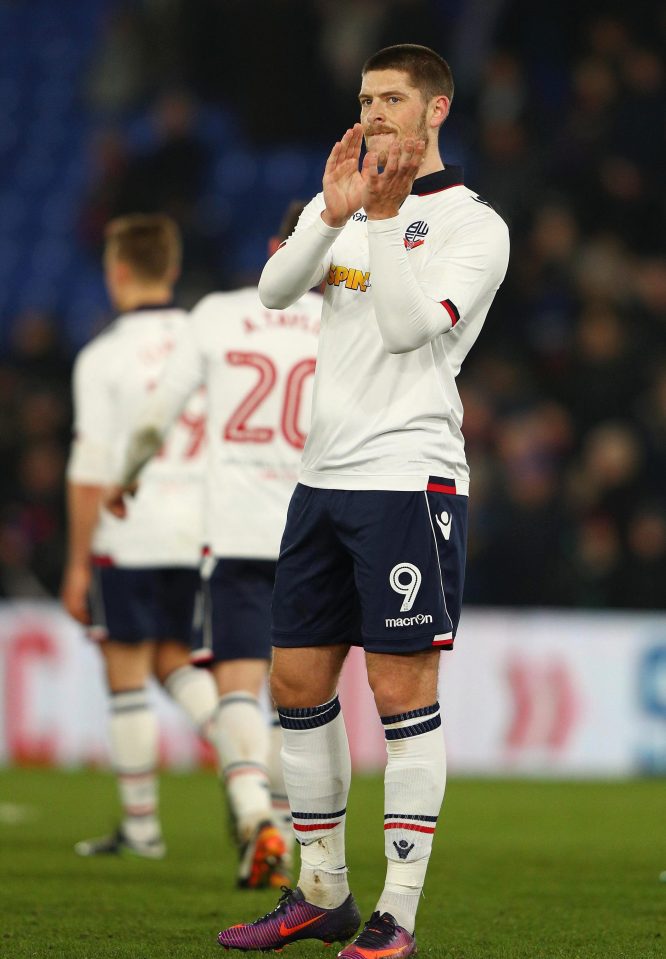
<point>74,592</point>
<point>114,498</point>
<point>343,183</point>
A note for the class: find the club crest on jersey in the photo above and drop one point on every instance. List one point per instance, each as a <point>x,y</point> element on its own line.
<point>348,277</point>
<point>415,234</point>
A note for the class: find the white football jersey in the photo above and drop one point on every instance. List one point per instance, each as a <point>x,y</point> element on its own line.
<point>388,417</point>
<point>113,376</point>
<point>258,368</point>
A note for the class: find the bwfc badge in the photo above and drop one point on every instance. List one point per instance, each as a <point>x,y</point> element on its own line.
<point>415,233</point>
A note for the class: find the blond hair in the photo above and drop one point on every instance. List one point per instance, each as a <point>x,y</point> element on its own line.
<point>149,243</point>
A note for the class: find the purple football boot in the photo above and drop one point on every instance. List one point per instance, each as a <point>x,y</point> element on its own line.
<point>382,937</point>
<point>293,919</point>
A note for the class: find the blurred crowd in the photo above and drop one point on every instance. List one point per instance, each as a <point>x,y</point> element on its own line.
<point>559,121</point>
<point>35,415</point>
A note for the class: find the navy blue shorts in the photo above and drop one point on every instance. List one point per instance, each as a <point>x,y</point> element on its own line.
<point>381,569</point>
<point>236,611</point>
<point>131,605</point>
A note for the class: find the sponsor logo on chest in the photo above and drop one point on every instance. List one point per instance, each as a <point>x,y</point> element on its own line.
<point>348,277</point>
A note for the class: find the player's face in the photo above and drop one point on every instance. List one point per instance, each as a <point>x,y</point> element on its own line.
<point>391,109</point>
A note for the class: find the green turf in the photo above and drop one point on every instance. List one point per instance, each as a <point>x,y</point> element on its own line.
<point>520,871</point>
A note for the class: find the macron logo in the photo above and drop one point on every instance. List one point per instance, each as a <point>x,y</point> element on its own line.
<point>444,522</point>
<point>417,620</point>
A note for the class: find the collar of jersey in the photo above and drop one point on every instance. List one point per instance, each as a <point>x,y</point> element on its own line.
<point>150,307</point>
<point>441,180</point>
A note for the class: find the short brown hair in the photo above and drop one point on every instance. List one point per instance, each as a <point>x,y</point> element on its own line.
<point>427,71</point>
<point>149,243</point>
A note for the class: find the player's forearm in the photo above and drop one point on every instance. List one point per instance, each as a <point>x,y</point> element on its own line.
<point>297,266</point>
<point>146,440</point>
<point>406,317</point>
<point>83,505</point>
<point>144,443</point>
<point>154,419</point>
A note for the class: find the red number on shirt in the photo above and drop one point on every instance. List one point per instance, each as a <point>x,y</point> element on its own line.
<point>187,435</point>
<point>196,427</point>
<point>293,397</point>
<point>237,429</point>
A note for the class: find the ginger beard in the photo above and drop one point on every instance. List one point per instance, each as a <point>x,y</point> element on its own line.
<point>380,140</point>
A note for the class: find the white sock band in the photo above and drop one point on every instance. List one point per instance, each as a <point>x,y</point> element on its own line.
<point>317,773</point>
<point>194,690</point>
<point>279,798</point>
<point>133,737</point>
<point>414,784</point>
<point>240,735</point>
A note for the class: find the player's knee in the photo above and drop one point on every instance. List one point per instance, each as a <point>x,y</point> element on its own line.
<point>392,697</point>
<point>170,657</point>
<point>401,684</point>
<point>389,702</point>
<point>284,691</point>
<point>304,678</point>
<point>289,691</point>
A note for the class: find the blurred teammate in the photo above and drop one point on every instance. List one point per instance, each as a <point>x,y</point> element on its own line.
<point>374,546</point>
<point>140,576</point>
<point>257,366</point>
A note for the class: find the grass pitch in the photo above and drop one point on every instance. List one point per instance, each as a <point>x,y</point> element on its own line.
<point>520,870</point>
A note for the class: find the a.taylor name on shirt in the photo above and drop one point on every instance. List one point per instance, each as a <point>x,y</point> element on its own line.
<point>279,320</point>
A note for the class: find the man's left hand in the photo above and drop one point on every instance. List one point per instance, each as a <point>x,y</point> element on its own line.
<point>385,192</point>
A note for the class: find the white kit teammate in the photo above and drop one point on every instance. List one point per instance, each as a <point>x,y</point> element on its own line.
<point>135,582</point>
<point>373,551</point>
<point>258,368</point>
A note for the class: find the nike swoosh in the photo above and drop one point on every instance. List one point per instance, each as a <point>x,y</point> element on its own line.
<point>378,953</point>
<point>287,930</point>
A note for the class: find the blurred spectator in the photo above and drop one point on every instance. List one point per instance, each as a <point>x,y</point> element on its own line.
<point>651,412</point>
<point>594,563</point>
<point>503,98</point>
<point>586,133</point>
<point>108,159</point>
<point>34,431</point>
<point>649,288</point>
<point>17,578</point>
<point>607,476</point>
<point>604,369</point>
<point>38,353</point>
<point>118,75</point>
<point>167,175</point>
<point>641,111</point>
<point>643,576</point>
<point>529,502</point>
<point>543,279</point>
<point>609,38</point>
<point>603,268</point>
<point>37,514</point>
<point>509,169</point>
